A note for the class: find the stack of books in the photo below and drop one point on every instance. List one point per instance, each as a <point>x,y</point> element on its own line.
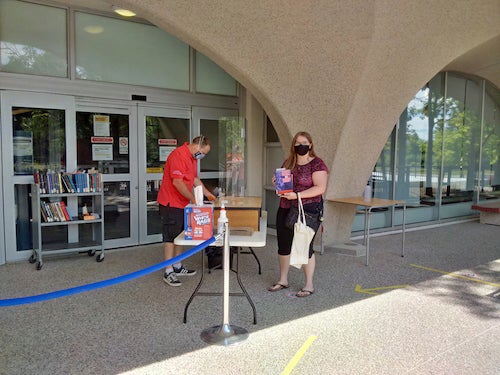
<point>62,182</point>
<point>54,211</point>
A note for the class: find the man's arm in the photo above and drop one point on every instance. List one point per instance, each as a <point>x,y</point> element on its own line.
<point>182,188</point>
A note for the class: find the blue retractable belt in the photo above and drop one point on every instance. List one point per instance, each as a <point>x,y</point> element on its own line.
<point>104,283</point>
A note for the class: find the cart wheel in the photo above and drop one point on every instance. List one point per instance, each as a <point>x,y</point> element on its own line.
<point>39,266</point>
<point>32,258</point>
<point>100,257</point>
<point>91,253</point>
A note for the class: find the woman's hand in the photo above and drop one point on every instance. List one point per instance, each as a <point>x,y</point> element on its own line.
<point>290,196</point>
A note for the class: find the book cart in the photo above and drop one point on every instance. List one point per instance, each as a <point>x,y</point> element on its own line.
<point>69,206</point>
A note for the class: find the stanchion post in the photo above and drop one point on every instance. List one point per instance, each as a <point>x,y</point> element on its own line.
<point>225,334</point>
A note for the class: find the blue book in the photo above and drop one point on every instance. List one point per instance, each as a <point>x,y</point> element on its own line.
<point>284,181</point>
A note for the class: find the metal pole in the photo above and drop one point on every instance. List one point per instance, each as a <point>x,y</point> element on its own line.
<point>225,334</point>
<point>225,265</point>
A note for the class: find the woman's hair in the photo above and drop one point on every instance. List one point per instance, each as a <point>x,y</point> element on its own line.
<point>291,161</point>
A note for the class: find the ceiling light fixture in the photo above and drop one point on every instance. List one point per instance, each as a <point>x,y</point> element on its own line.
<point>92,29</point>
<point>123,12</point>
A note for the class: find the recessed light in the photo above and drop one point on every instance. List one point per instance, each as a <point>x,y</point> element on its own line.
<point>123,12</point>
<point>92,29</point>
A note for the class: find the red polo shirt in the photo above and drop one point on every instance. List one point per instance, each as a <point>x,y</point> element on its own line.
<point>180,164</point>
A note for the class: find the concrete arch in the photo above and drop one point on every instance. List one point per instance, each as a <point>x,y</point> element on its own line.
<point>342,70</point>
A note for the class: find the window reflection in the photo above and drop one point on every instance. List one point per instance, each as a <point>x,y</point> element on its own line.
<point>442,161</point>
<point>227,153</point>
<point>152,210</point>
<point>461,140</point>
<point>163,134</point>
<point>490,156</point>
<point>38,139</point>
<point>116,210</point>
<point>30,46</point>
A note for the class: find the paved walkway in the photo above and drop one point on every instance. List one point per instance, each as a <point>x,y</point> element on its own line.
<point>432,312</point>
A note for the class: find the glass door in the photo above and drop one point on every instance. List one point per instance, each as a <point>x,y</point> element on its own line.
<point>106,134</point>
<point>36,135</point>
<point>224,166</point>
<point>160,131</point>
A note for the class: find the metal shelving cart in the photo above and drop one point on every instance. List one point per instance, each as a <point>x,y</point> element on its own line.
<point>80,235</point>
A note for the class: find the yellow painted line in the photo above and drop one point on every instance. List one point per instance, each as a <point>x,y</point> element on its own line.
<point>359,289</point>
<point>296,358</point>
<point>456,275</point>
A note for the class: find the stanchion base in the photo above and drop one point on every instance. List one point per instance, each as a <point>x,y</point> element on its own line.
<point>225,334</point>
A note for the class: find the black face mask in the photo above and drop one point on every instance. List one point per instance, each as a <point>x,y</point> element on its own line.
<point>301,149</point>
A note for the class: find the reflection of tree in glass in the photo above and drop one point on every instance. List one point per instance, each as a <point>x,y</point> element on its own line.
<point>20,58</point>
<point>47,128</point>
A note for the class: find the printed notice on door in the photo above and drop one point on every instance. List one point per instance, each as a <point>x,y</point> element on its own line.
<point>102,151</point>
<point>101,126</point>
<point>165,151</point>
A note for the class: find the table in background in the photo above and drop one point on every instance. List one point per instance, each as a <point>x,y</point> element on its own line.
<point>242,212</point>
<point>256,239</point>
<point>368,207</point>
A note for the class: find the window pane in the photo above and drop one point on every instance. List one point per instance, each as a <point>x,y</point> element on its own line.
<point>152,208</point>
<point>33,39</point>
<point>419,147</point>
<point>113,50</point>
<point>23,217</point>
<point>382,174</point>
<point>490,165</point>
<point>38,139</point>
<point>116,210</point>
<point>212,79</point>
<point>214,161</point>
<point>227,153</point>
<point>100,138</point>
<point>461,142</point>
<point>163,135</point>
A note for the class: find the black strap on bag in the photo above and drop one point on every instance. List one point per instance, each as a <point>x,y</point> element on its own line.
<point>314,217</point>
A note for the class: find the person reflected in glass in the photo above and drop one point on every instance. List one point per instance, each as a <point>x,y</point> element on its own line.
<point>309,179</point>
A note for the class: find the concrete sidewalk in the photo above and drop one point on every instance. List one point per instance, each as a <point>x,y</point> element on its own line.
<point>432,312</point>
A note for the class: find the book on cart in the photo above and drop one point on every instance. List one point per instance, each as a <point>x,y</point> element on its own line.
<point>64,210</point>
<point>51,182</point>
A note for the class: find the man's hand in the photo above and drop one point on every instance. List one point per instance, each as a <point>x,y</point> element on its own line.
<point>211,197</point>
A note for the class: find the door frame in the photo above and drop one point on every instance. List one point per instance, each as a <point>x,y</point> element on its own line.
<point>129,109</point>
<point>144,110</point>
<point>11,99</point>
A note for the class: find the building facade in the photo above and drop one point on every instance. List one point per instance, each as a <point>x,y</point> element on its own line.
<point>154,81</point>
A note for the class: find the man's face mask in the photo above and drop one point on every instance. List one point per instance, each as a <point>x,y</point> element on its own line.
<point>198,155</point>
<point>301,149</point>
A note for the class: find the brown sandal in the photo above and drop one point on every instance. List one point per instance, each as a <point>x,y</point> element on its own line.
<point>276,287</point>
<point>304,293</point>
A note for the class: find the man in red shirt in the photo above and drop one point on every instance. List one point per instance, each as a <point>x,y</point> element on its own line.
<point>180,175</point>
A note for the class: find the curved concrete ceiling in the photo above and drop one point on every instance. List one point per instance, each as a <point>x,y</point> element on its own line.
<point>336,68</point>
